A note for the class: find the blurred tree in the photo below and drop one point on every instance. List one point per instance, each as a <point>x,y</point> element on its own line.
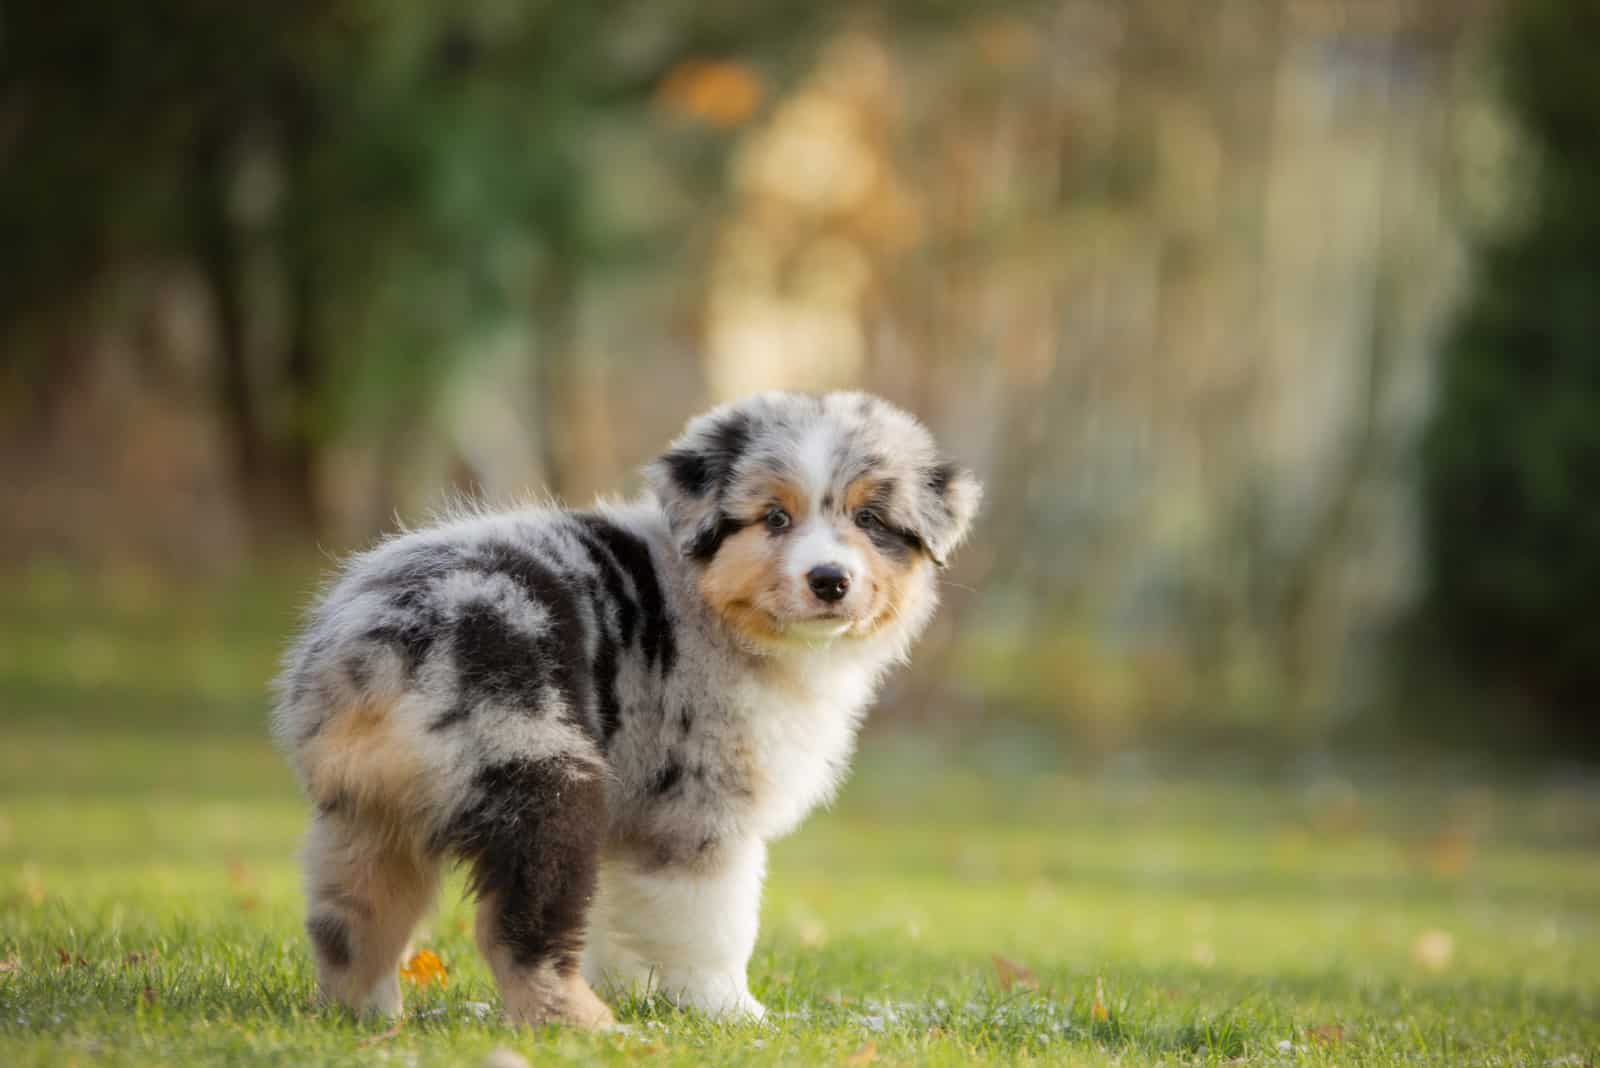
<point>1512,457</point>
<point>364,187</point>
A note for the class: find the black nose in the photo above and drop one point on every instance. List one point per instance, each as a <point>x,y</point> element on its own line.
<point>829,582</point>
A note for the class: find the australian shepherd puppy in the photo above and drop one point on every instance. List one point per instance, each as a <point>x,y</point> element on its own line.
<point>608,714</point>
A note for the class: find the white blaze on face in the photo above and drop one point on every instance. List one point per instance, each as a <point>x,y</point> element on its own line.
<point>815,541</point>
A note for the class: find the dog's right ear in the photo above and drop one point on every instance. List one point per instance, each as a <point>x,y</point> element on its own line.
<point>691,478</point>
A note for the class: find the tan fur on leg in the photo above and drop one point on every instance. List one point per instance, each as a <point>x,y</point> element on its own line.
<point>366,894</point>
<point>538,994</point>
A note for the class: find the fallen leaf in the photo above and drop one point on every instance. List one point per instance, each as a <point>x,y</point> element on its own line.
<point>1098,1011</point>
<point>65,958</point>
<point>1011,974</point>
<point>424,968</point>
<point>1434,950</point>
<point>865,1055</point>
<point>1327,1034</point>
<point>10,965</point>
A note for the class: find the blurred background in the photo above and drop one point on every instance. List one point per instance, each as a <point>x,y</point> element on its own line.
<point>1273,327</point>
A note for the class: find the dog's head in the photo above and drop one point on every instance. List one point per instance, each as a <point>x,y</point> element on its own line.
<point>811,519</point>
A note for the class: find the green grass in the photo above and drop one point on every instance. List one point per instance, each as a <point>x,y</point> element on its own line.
<point>150,915</point>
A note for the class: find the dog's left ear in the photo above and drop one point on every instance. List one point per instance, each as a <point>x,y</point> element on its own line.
<point>946,503</point>
<point>692,476</point>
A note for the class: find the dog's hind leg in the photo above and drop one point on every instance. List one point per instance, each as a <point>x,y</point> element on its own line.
<point>532,831</point>
<point>366,892</point>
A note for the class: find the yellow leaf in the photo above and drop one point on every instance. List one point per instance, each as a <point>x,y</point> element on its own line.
<point>1098,1011</point>
<point>424,968</point>
<point>1011,974</point>
<point>865,1055</point>
<point>1327,1034</point>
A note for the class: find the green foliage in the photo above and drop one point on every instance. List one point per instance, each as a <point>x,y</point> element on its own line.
<point>403,174</point>
<point>1512,458</point>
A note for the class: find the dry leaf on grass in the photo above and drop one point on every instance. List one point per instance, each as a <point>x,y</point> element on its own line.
<point>1327,1034</point>
<point>1098,1011</point>
<point>64,958</point>
<point>10,965</point>
<point>1008,973</point>
<point>424,968</point>
<point>865,1055</point>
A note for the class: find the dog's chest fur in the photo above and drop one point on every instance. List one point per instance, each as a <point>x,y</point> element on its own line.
<point>729,747</point>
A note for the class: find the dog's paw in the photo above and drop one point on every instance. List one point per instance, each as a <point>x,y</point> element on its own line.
<point>730,1006</point>
<point>748,1008</point>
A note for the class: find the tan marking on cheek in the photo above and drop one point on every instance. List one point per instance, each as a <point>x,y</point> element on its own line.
<point>882,572</point>
<point>740,578</point>
<point>361,755</point>
<point>903,592</point>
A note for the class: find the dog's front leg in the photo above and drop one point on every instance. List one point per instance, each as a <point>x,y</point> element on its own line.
<point>686,933</point>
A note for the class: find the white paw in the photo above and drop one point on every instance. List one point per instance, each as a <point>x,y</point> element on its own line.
<point>751,1009</point>
<point>720,1001</point>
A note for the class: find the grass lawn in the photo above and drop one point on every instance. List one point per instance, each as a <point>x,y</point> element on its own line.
<point>150,913</point>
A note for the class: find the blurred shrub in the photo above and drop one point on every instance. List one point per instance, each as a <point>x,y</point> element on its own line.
<point>1512,458</point>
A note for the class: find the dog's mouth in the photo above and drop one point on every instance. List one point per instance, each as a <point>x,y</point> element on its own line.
<point>817,628</point>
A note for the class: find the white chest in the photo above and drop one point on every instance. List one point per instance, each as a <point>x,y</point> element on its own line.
<point>799,750</point>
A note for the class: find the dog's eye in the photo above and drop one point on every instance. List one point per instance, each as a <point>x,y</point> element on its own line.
<point>777,519</point>
<point>867,519</point>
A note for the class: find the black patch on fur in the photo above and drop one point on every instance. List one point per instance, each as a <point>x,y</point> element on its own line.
<point>607,707</point>
<point>690,471</point>
<point>892,541</point>
<point>331,938</point>
<point>532,834</point>
<point>668,778</point>
<point>633,556</point>
<point>413,624</point>
<point>498,662</point>
<point>710,538</point>
<point>698,471</point>
<point>413,638</point>
<point>683,719</point>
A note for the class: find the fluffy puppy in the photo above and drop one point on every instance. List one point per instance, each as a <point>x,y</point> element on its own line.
<point>608,714</point>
